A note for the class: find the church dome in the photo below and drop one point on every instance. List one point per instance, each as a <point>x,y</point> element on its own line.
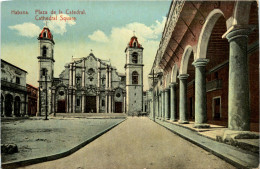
<point>46,34</point>
<point>134,43</point>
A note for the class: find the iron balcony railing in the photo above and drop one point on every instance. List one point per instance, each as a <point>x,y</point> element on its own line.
<point>12,85</point>
<point>214,85</point>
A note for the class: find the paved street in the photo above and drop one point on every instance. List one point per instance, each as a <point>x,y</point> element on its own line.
<point>137,143</point>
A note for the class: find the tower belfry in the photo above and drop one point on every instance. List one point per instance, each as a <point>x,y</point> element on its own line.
<point>46,69</point>
<point>134,76</point>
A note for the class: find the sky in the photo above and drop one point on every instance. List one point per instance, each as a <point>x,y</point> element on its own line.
<point>105,28</point>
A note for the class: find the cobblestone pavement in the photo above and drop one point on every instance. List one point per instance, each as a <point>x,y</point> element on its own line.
<point>39,138</point>
<point>137,143</point>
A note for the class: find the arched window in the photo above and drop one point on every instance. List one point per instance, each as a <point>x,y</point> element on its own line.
<point>134,44</point>
<point>44,51</point>
<point>135,57</point>
<point>45,34</point>
<point>134,77</point>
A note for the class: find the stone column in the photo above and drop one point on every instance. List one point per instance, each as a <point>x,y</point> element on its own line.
<point>13,108</point>
<point>69,99</point>
<point>107,77</point>
<point>83,102</point>
<point>70,75</point>
<point>97,99</point>
<point>110,78</point>
<point>67,102</point>
<point>53,101</point>
<point>173,101</point>
<point>183,99</point>
<point>200,93</point>
<point>3,102</point>
<point>156,107</point>
<point>238,87</point>
<point>124,106</point>
<point>106,102</point>
<point>166,107</point>
<point>163,105</point>
<point>109,102</point>
<point>159,105</point>
<point>83,82</point>
<point>74,87</point>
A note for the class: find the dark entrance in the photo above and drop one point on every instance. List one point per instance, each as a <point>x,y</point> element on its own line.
<point>216,107</point>
<point>61,106</point>
<point>17,106</point>
<point>90,104</point>
<point>118,107</point>
<point>8,105</point>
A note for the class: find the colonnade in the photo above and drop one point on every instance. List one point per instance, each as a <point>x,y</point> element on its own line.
<point>238,100</point>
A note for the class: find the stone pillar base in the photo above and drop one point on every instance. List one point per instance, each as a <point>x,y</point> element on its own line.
<point>173,120</point>
<point>183,122</point>
<point>201,126</point>
<point>231,135</point>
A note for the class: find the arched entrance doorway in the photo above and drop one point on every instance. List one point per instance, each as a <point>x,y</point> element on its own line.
<point>8,105</point>
<point>17,106</point>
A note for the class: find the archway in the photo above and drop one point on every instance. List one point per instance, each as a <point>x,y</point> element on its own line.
<point>8,105</point>
<point>213,52</point>
<point>60,105</point>
<point>187,68</point>
<point>17,106</point>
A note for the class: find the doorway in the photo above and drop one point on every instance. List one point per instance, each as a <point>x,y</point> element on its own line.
<point>90,104</point>
<point>61,106</point>
<point>216,108</point>
<point>118,107</point>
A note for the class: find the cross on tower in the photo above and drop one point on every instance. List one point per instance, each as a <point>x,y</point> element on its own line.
<point>134,32</point>
<point>46,23</point>
<point>91,50</point>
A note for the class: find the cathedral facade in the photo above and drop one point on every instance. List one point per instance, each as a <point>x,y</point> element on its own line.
<point>89,84</point>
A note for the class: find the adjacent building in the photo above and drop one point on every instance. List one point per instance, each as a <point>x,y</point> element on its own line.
<point>32,92</point>
<point>13,90</point>
<point>207,65</point>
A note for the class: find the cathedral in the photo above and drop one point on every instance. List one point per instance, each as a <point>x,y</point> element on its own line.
<point>89,84</point>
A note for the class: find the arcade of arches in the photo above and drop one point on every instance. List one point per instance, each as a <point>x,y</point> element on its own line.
<point>206,68</point>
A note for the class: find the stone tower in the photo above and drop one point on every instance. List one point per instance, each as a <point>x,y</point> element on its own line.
<point>45,71</point>
<point>134,76</point>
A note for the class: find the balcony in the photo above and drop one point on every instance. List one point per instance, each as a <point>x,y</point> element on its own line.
<point>214,85</point>
<point>6,84</point>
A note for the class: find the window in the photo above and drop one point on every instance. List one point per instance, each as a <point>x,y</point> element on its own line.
<point>134,44</point>
<point>135,57</point>
<point>44,51</point>
<point>103,103</point>
<point>18,80</point>
<point>216,75</point>
<point>44,72</point>
<point>134,77</point>
<point>91,71</point>
<point>118,95</point>
<point>45,35</point>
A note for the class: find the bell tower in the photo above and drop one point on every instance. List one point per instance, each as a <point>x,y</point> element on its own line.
<point>45,70</point>
<point>134,76</point>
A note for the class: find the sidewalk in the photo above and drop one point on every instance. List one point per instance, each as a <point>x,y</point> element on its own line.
<point>216,130</point>
<point>238,157</point>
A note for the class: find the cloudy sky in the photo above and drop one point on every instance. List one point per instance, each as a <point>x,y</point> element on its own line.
<point>106,28</point>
